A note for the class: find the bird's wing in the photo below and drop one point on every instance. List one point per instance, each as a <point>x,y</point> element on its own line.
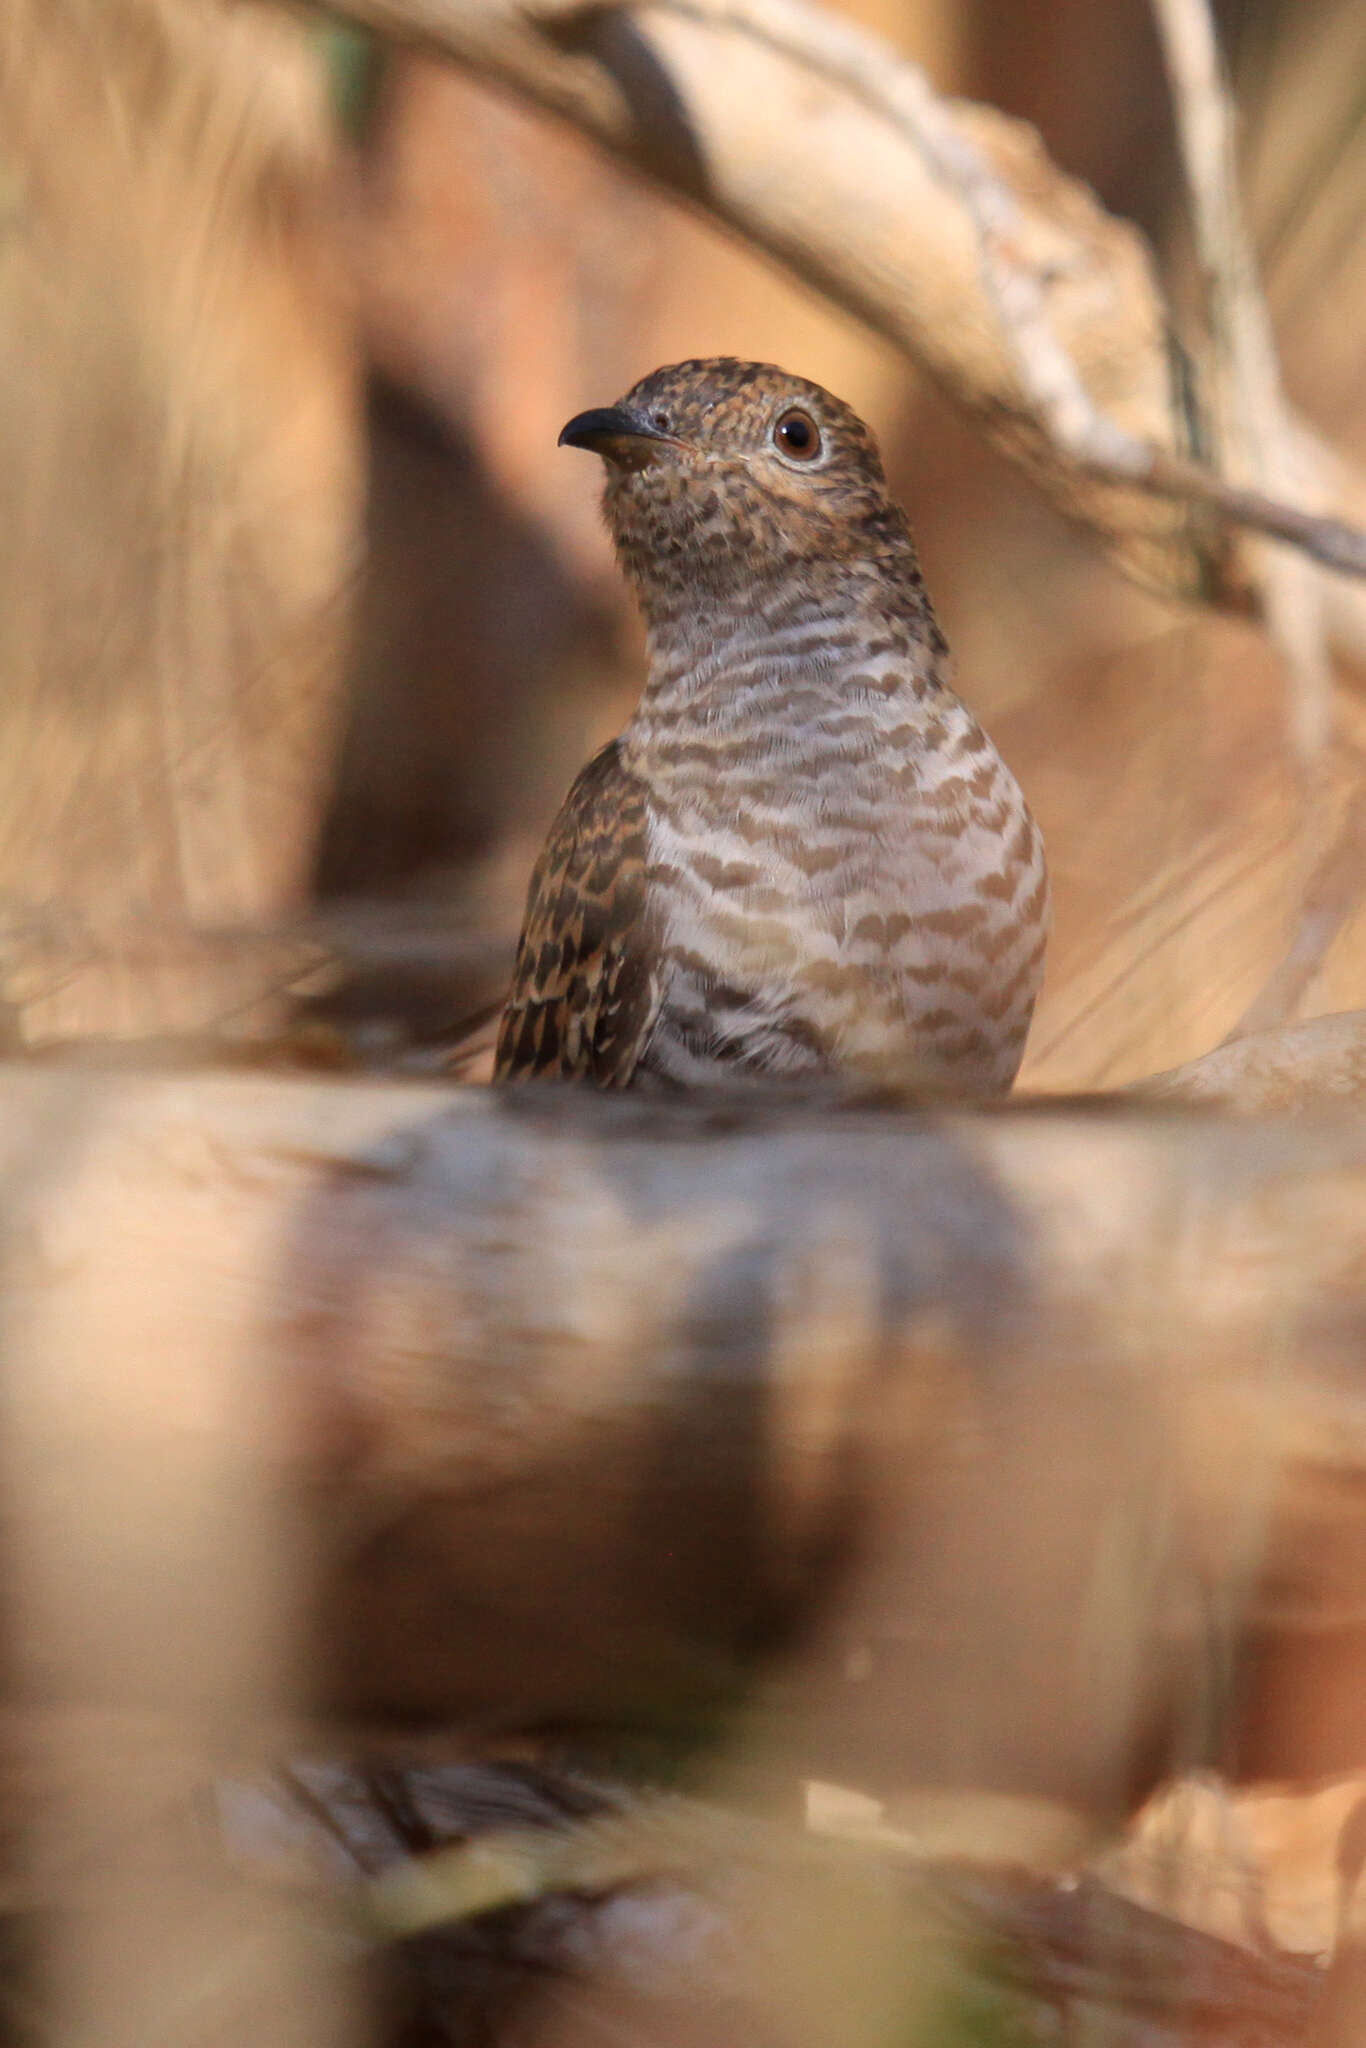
<point>585,989</point>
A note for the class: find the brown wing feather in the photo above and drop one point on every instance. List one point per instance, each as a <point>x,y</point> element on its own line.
<point>585,987</point>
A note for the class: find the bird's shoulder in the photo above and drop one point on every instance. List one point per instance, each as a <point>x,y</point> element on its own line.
<point>585,987</point>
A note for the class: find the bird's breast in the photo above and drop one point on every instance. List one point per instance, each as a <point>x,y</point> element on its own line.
<point>875,906</point>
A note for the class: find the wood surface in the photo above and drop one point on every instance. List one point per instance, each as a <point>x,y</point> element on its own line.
<point>1019,1448</point>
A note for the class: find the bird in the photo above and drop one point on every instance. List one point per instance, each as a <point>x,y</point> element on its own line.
<point>802,857</point>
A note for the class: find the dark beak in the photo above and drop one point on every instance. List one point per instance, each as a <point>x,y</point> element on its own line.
<point>615,434</point>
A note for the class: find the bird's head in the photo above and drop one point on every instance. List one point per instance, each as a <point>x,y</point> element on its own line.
<point>720,471</point>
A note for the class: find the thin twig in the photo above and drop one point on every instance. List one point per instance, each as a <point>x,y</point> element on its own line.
<point>1336,543</point>
<point>1332,896</point>
<point>1255,434</point>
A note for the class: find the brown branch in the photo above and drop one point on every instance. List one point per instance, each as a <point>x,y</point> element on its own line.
<point>941,225</point>
<point>1336,543</point>
<point>897,89</point>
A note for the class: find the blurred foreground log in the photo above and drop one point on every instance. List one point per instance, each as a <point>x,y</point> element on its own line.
<point>990,1449</point>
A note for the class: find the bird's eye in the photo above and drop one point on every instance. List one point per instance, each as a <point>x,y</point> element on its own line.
<point>660,421</point>
<point>797,435</point>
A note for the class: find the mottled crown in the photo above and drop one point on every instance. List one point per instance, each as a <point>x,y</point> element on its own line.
<point>724,410</point>
<point>725,474</point>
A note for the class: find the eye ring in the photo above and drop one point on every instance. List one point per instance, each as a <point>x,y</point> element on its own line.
<point>796,435</point>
